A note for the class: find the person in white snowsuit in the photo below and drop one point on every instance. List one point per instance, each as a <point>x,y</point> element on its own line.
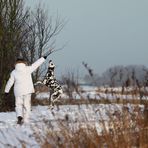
<point>23,87</point>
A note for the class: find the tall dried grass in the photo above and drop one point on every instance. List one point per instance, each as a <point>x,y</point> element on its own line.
<point>124,129</point>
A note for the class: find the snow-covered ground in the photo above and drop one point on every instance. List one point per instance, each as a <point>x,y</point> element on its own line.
<point>44,120</point>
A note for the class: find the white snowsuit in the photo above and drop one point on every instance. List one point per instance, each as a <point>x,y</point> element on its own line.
<point>23,87</point>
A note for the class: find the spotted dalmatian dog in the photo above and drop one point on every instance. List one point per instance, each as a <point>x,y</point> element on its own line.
<point>51,82</point>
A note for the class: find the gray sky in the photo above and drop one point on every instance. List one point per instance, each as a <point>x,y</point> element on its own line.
<point>103,33</point>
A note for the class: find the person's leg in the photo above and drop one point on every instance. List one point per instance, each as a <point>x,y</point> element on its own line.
<point>19,109</point>
<point>27,107</point>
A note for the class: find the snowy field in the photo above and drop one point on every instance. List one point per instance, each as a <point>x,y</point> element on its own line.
<point>44,120</point>
<point>72,117</point>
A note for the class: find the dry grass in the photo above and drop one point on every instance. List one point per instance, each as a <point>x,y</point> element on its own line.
<point>124,130</point>
<point>90,101</point>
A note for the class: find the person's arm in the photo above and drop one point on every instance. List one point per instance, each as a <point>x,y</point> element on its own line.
<point>9,84</point>
<point>36,64</point>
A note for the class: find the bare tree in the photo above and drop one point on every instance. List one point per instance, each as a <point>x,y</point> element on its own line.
<point>42,37</point>
<point>70,80</point>
<point>12,31</point>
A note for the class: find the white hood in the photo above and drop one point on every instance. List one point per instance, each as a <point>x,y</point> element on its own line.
<point>20,66</point>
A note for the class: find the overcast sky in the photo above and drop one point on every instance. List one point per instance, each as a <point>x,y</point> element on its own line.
<point>103,33</point>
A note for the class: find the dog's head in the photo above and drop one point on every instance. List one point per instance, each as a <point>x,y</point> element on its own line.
<point>51,65</point>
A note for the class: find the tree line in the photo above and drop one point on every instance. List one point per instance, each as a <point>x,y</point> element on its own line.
<point>130,75</point>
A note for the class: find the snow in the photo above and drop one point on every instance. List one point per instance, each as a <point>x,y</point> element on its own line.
<point>42,118</point>
<point>42,95</point>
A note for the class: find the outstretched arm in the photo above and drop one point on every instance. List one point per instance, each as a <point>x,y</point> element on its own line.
<point>36,64</point>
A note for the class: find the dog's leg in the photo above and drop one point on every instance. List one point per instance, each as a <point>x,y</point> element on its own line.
<point>51,104</point>
<point>56,96</point>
